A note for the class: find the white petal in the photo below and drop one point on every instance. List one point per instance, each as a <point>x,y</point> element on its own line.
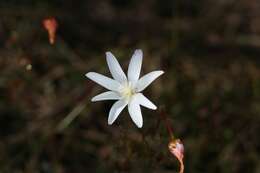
<point>115,110</point>
<point>147,79</point>
<point>135,64</point>
<point>109,95</point>
<point>135,112</point>
<point>104,81</point>
<point>142,100</point>
<point>115,68</point>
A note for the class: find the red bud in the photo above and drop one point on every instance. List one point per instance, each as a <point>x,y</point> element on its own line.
<point>177,149</point>
<point>51,25</point>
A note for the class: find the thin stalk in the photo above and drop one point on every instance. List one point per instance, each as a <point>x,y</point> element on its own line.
<point>166,123</point>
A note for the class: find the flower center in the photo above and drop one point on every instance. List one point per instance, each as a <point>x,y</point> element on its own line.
<point>127,91</point>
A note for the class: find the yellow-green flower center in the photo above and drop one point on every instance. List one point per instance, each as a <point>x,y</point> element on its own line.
<point>127,91</point>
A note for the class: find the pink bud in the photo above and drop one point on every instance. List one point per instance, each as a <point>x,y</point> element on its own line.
<point>51,25</point>
<point>177,149</point>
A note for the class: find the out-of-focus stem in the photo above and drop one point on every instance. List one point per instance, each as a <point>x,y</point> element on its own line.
<point>166,122</point>
<point>71,116</point>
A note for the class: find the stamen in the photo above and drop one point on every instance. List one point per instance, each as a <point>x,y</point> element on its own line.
<point>127,91</point>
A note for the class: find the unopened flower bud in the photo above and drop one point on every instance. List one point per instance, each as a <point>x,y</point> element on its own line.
<point>51,25</point>
<point>177,149</point>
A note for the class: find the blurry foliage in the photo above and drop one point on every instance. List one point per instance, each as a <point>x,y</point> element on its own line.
<point>211,88</point>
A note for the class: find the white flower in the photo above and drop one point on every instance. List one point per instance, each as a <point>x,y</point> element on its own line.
<point>127,90</point>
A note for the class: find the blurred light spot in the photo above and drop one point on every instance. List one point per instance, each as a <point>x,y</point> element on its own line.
<point>29,67</point>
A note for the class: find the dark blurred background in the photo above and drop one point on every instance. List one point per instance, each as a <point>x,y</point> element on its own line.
<point>209,51</point>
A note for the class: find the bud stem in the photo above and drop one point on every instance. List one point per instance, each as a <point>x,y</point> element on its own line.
<point>166,123</point>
